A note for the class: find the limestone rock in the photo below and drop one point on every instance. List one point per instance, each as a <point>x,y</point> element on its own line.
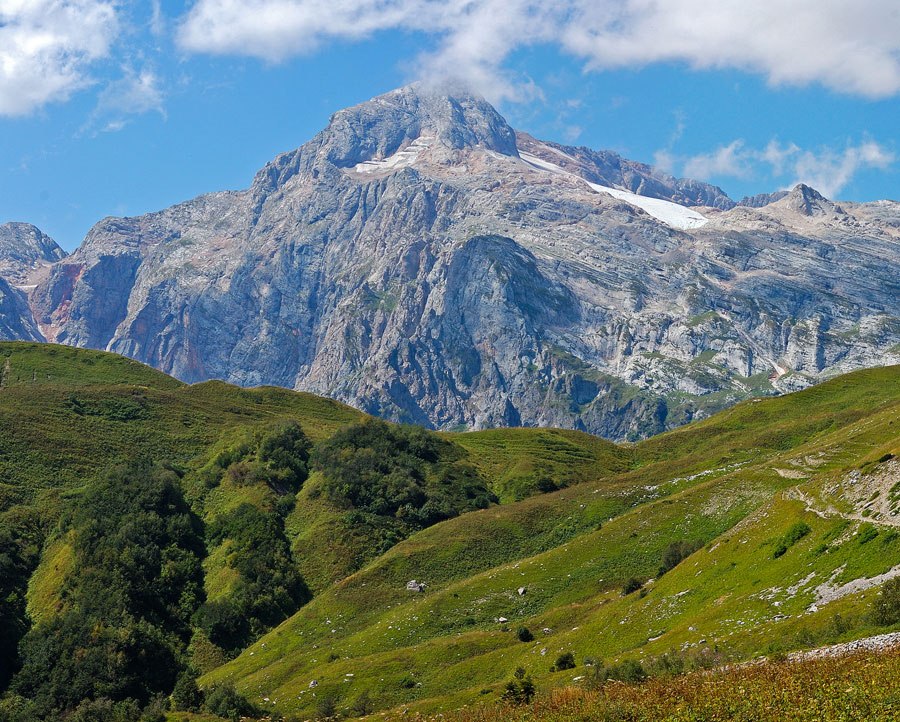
<point>422,261</point>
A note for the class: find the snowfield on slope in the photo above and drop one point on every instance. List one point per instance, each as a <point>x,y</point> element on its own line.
<point>401,159</point>
<point>672,214</point>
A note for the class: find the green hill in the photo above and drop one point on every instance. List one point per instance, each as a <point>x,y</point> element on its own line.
<point>295,524</point>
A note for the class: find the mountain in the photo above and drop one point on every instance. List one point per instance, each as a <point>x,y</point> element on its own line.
<point>25,252</point>
<point>422,261</point>
<point>224,532</point>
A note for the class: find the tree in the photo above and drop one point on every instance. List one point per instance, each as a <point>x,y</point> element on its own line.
<point>520,689</point>
<point>225,701</point>
<point>186,696</point>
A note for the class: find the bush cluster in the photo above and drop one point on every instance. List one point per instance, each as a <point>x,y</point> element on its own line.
<point>269,587</point>
<point>396,471</point>
<point>520,689</point>
<point>130,598</point>
<point>677,552</point>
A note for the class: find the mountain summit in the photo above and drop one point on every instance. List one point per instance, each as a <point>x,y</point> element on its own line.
<point>809,202</point>
<point>422,261</point>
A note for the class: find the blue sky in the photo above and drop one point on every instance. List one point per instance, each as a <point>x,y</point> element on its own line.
<point>112,107</point>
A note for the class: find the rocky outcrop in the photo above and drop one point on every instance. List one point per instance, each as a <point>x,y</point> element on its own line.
<point>422,261</point>
<point>25,256</point>
<point>761,199</point>
<point>25,250</point>
<point>611,169</point>
<point>16,321</point>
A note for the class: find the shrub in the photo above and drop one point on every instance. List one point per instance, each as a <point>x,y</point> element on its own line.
<point>326,707</point>
<point>867,532</point>
<point>628,670</point>
<point>791,537</point>
<point>186,696</point>
<point>631,585</point>
<point>524,634</point>
<point>564,661</point>
<point>362,705</point>
<point>675,553</point>
<point>886,609</point>
<point>520,689</point>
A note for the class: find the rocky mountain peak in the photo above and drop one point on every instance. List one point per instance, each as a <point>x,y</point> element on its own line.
<point>23,249</point>
<point>392,129</point>
<point>807,201</point>
<point>448,116</point>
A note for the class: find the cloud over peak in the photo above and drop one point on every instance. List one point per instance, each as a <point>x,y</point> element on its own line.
<point>849,47</point>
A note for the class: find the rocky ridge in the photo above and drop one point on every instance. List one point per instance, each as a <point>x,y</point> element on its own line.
<point>422,261</point>
<point>25,255</point>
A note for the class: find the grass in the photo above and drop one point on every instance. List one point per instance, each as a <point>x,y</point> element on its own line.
<point>702,482</point>
<point>861,687</point>
<point>739,483</point>
<point>89,409</point>
<point>516,460</point>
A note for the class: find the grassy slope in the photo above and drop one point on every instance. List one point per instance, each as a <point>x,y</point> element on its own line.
<point>861,687</point>
<point>65,414</point>
<point>515,459</point>
<point>695,483</point>
<point>89,408</point>
<point>68,414</point>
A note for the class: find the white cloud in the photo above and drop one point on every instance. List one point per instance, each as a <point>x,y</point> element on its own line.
<point>157,18</point>
<point>827,169</point>
<point>727,160</point>
<point>830,171</point>
<point>665,160</point>
<point>778,156</point>
<point>47,47</point>
<point>849,47</point>
<point>134,94</point>
<point>852,47</point>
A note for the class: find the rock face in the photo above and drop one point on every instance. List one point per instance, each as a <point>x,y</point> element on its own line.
<point>422,261</point>
<point>25,251</point>
<point>25,254</point>
<point>762,199</point>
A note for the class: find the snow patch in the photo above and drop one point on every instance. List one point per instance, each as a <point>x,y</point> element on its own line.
<point>672,214</point>
<point>543,164</point>
<point>401,159</point>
